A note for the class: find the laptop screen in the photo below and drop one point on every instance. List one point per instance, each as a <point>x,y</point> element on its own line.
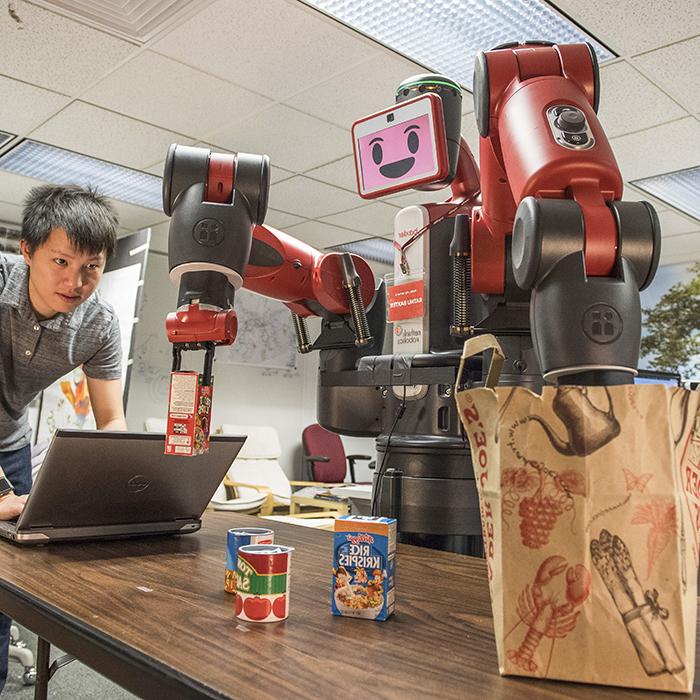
<point>93,478</point>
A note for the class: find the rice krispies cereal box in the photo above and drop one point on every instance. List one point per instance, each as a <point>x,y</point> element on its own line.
<point>364,562</point>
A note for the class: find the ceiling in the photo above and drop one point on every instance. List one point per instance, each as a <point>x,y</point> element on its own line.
<point>278,77</point>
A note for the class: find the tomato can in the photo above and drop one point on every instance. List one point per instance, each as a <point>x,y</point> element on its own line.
<point>262,589</point>
<point>237,537</point>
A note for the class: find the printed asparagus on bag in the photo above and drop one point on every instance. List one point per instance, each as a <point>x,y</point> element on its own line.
<point>644,644</point>
<point>646,605</point>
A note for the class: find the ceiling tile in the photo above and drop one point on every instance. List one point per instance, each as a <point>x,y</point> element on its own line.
<point>659,150</point>
<point>96,132</point>
<point>281,219</point>
<point>684,248</point>
<point>673,224</point>
<point>340,173</point>
<point>675,68</point>
<point>166,93</point>
<point>275,47</point>
<point>156,169</point>
<point>310,199</point>
<point>357,92</point>
<point>56,53</point>
<point>134,218</point>
<point>629,102</point>
<point>376,219</point>
<point>633,26</point>
<point>23,107</point>
<point>293,140</point>
<point>322,235</point>
<point>14,188</point>
<point>10,213</point>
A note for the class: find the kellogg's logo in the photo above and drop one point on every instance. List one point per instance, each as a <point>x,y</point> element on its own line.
<point>362,537</point>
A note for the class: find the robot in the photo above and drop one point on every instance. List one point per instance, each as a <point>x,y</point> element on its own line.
<point>543,254</point>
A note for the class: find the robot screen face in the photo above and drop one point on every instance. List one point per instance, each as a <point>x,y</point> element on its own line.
<point>401,147</point>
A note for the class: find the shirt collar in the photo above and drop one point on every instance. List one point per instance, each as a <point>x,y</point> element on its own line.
<point>15,293</point>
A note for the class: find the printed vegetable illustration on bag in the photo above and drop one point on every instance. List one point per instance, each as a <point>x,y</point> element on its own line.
<point>641,612</point>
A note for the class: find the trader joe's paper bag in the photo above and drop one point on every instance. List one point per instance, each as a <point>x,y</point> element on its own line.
<point>589,509</point>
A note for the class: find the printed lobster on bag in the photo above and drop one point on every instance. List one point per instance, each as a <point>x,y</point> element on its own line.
<point>542,609</point>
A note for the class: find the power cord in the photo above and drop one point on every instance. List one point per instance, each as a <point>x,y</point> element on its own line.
<point>380,472</point>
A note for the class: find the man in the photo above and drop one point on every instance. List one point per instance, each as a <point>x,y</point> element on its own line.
<point>52,322</point>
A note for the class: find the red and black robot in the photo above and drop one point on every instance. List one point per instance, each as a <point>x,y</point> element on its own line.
<point>538,250</point>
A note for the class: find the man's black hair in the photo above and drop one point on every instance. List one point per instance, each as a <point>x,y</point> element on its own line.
<point>88,218</point>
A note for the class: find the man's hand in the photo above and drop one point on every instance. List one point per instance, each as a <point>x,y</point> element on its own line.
<point>11,506</point>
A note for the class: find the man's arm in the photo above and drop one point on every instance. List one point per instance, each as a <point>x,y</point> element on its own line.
<point>107,403</point>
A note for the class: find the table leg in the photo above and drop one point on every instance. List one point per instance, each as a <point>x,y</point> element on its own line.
<point>43,654</point>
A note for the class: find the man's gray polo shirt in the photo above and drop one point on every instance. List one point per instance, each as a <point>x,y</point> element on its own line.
<point>34,354</point>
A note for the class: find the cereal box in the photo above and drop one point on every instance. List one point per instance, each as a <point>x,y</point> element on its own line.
<point>189,409</point>
<point>364,557</point>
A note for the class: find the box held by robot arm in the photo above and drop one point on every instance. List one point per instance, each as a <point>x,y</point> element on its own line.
<point>189,415</point>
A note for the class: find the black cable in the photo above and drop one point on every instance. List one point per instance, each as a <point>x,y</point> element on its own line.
<point>377,491</point>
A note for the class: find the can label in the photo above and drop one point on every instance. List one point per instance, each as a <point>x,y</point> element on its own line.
<point>238,537</point>
<point>262,587</point>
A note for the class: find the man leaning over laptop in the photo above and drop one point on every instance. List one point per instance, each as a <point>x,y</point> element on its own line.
<point>50,323</point>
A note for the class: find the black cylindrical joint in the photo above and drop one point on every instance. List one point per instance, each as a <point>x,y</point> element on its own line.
<point>544,232</point>
<point>450,94</point>
<point>639,234</point>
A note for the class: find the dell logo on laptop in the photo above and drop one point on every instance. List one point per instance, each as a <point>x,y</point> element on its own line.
<point>138,483</point>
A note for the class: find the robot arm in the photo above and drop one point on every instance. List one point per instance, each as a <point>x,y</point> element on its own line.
<point>549,176</point>
<point>217,244</point>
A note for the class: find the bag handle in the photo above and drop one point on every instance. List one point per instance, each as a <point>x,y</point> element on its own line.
<point>477,345</point>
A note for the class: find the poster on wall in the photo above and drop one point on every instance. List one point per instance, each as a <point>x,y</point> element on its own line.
<point>66,403</point>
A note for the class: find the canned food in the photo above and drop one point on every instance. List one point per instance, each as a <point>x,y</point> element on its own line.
<point>262,592</point>
<point>237,537</point>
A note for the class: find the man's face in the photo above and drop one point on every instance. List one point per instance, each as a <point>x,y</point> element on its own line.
<point>61,277</point>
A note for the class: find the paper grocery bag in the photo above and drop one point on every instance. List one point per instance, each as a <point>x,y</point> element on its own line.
<point>590,508</point>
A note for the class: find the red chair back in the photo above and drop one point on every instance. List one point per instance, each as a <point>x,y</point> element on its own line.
<point>319,442</point>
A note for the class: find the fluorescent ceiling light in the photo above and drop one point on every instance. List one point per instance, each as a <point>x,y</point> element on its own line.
<point>380,250</point>
<point>680,189</point>
<point>61,167</point>
<point>5,137</point>
<point>446,35</point>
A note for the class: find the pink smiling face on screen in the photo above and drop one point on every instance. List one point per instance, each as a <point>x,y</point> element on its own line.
<point>398,153</point>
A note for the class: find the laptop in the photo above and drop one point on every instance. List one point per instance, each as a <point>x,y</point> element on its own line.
<point>104,484</point>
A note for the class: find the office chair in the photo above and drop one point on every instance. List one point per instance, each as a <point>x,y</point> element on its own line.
<point>18,650</point>
<point>324,456</point>
<point>257,476</point>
